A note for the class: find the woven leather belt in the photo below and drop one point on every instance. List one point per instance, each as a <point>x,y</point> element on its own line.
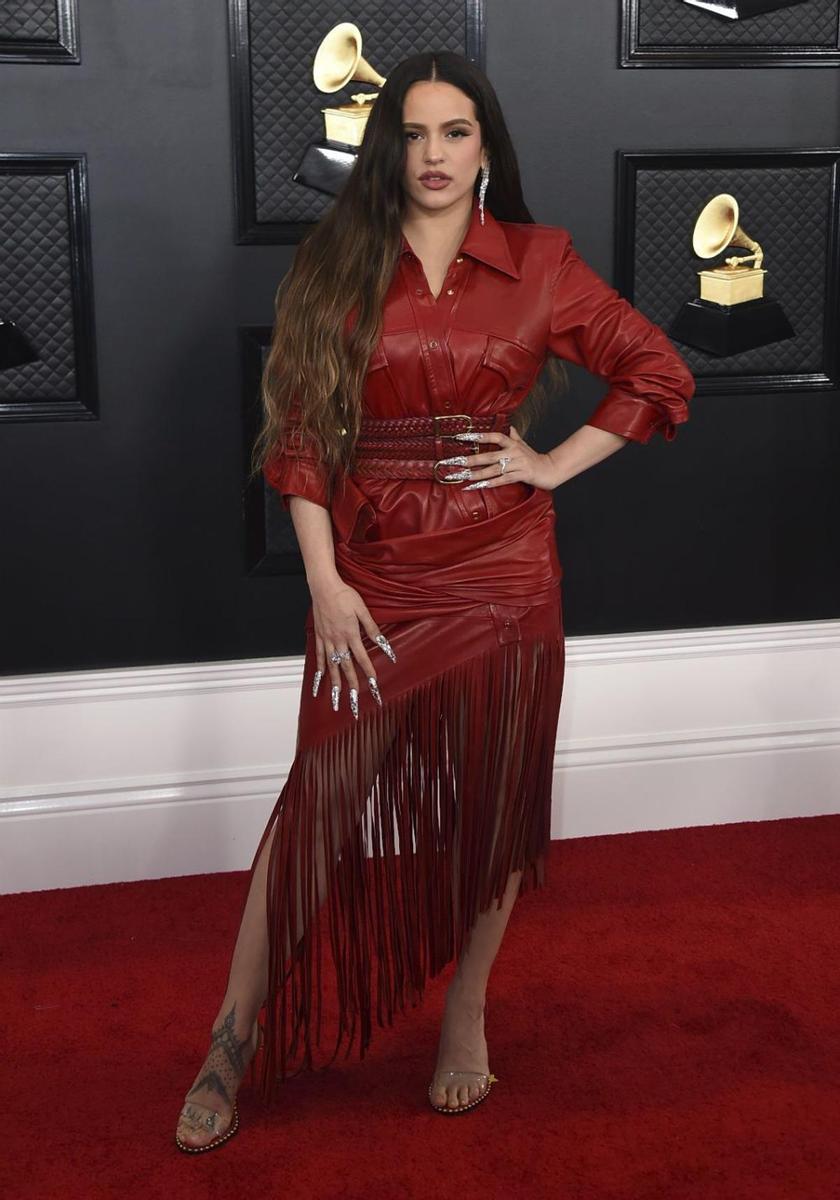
<point>412,447</point>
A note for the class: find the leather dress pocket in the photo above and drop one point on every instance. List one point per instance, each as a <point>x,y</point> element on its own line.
<point>517,366</point>
<point>506,621</point>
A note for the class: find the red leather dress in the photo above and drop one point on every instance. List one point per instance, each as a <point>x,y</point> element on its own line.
<point>455,769</point>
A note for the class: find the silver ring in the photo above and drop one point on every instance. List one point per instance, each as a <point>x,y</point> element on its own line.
<point>503,462</point>
<point>338,655</point>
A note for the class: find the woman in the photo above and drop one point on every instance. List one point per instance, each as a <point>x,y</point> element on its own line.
<point>408,334</point>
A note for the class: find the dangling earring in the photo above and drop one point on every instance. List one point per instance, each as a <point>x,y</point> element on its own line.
<point>482,191</point>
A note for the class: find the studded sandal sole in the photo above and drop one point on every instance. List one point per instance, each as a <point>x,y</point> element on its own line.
<point>462,1108</point>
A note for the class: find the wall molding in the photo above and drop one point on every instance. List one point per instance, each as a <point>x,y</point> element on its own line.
<point>107,772</point>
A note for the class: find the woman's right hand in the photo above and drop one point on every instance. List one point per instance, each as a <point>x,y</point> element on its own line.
<point>338,611</point>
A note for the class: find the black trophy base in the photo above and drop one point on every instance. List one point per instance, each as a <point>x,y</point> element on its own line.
<point>325,166</point>
<point>15,347</point>
<point>736,9</point>
<point>728,329</point>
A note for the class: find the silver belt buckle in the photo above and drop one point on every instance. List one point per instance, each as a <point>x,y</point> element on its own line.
<point>449,466</point>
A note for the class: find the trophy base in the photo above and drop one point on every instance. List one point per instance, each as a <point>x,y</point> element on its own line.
<point>728,329</point>
<point>735,9</point>
<point>15,348</point>
<point>326,165</point>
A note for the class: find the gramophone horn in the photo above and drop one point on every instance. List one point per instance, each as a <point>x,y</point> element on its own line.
<point>717,227</point>
<point>339,59</point>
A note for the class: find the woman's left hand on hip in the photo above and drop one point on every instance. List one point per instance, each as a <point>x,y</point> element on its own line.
<point>524,464</point>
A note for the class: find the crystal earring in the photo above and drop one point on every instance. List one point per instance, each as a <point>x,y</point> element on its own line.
<point>482,191</point>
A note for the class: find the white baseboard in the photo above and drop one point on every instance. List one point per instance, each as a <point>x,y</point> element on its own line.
<point>159,771</point>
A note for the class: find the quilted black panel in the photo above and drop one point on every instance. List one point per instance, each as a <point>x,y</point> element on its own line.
<point>285,104</point>
<point>45,286</point>
<point>35,285</point>
<point>674,23</point>
<point>787,209</point>
<point>35,20</point>
<point>39,31</point>
<point>271,544</point>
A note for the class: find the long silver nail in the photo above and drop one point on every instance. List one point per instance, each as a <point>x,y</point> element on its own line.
<point>460,460</point>
<point>458,476</point>
<point>316,682</point>
<point>383,642</point>
<point>374,687</point>
<point>480,484</point>
<point>467,437</point>
<point>354,702</point>
<point>336,689</point>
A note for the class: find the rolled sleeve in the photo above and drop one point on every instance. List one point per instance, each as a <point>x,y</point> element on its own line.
<point>595,327</point>
<point>297,471</point>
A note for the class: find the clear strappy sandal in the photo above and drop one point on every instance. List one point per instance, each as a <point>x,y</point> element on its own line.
<point>210,1120</point>
<point>471,1076</point>
<point>468,1078</point>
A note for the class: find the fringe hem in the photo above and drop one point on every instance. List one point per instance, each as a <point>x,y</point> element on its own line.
<point>405,827</point>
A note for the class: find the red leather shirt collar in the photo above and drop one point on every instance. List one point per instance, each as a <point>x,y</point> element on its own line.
<point>487,243</point>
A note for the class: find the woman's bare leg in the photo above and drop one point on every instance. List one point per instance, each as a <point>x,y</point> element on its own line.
<point>233,1040</point>
<point>462,1044</point>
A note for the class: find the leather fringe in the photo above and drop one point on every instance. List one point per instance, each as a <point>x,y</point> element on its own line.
<point>406,826</point>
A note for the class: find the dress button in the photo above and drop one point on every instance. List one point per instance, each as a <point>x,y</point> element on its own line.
<point>459,260</point>
<point>450,291</point>
<point>475,515</point>
<point>419,291</point>
<point>433,345</point>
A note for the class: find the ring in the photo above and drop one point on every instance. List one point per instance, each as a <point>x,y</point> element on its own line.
<point>503,462</point>
<point>338,655</point>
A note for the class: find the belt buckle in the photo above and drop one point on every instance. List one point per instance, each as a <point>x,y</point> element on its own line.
<point>440,436</point>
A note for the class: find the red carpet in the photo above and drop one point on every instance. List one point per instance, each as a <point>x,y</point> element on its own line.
<point>664,1019</point>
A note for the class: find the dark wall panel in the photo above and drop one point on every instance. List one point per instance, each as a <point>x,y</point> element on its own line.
<point>123,537</point>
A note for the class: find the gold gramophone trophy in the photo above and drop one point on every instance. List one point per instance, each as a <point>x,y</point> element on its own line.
<point>338,60</point>
<point>732,313</point>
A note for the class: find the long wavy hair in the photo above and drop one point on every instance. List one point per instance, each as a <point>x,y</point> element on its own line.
<point>314,374</point>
